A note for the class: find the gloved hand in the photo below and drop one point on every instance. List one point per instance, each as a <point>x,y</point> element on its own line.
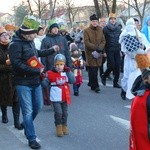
<point>56,48</point>
<point>96,54</point>
<point>98,50</point>
<point>66,69</point>
<point>43,76</point>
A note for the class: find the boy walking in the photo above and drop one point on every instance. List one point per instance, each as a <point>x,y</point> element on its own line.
<point>58,78</point>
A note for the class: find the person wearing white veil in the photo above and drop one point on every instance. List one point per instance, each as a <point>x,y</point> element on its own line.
<point>132,42</point>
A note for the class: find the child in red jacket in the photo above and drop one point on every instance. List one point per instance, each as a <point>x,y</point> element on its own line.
<point>78,65</point>
<point>140,108</point>
<point>59,78</point>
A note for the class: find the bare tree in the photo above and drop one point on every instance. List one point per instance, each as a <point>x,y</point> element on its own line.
<point>107,6</point>
<point>19,12</point>
<point>114,5</point>
<point>139,8</point>
<point>41,7</point>
<point>52,7</point>
<point>29,5</point>
<point>71,10</point>
<point>97,8</point>
<point>111,6</point>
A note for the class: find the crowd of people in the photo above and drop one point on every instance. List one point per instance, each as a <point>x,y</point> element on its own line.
<point>37,64</point>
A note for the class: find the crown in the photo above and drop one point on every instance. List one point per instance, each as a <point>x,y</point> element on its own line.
<point>30,22</point>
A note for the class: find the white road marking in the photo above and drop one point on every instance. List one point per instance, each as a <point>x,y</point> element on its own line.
<point>19,134</point>
<point>128,106</point>
<point>124,123</point>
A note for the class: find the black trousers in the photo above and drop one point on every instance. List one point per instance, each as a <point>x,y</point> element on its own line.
<point>101,68</point>
<point>93,77</point>
<point>114,63</point>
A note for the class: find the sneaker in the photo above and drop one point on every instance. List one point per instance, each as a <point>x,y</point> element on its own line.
<point>34,144</point>
<point>38,140</point>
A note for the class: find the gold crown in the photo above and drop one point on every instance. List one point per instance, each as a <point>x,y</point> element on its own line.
<point>112,15</point>
<point>10,27</point>
<point>30,22</point>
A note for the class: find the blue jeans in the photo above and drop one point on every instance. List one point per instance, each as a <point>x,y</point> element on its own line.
<point>60,113</point>
<point>31,101</point>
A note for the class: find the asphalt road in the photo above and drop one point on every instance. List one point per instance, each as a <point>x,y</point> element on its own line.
<point>97,121</point>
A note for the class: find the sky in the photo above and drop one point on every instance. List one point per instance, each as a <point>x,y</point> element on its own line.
<point>7,5</point>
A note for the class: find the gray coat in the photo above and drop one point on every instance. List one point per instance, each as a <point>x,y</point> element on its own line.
<point>79,40</point>
<point>51,40</point>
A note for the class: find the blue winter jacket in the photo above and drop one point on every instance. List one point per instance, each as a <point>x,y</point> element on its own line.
<point>20,50</point>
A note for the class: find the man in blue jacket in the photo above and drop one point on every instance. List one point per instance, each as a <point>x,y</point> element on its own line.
<point>112,32</point>
<point>27,74</point>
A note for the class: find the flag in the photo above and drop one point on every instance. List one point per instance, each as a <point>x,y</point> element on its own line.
<point>34,62</point>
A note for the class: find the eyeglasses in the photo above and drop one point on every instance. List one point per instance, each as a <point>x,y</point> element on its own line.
<point>4,34</point>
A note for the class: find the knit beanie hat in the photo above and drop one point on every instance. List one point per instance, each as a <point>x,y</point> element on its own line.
<point>62,28</point>
<point>143,62</point>
<point>73,47</point>
<point>52,24</point>
<point>59,59</point>
<point>29,25</point>
<point>93,17</point>
<point>2,30</point>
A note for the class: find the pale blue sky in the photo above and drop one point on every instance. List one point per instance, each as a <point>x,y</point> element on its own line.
<point>6,5</point>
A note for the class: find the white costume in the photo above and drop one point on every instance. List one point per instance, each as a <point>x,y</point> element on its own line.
<point>130,65</point>
<point>38,41</point>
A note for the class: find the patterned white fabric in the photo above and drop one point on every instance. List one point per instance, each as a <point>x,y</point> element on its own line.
<point>132,43</point>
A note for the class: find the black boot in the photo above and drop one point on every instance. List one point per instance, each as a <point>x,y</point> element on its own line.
<point>4,114</point>
<point>16,113</point>
<point>116,85</point>
<point>103,79</point>
<point>123,94</point>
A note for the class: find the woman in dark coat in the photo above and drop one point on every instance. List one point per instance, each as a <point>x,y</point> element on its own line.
<point>7,91</point>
